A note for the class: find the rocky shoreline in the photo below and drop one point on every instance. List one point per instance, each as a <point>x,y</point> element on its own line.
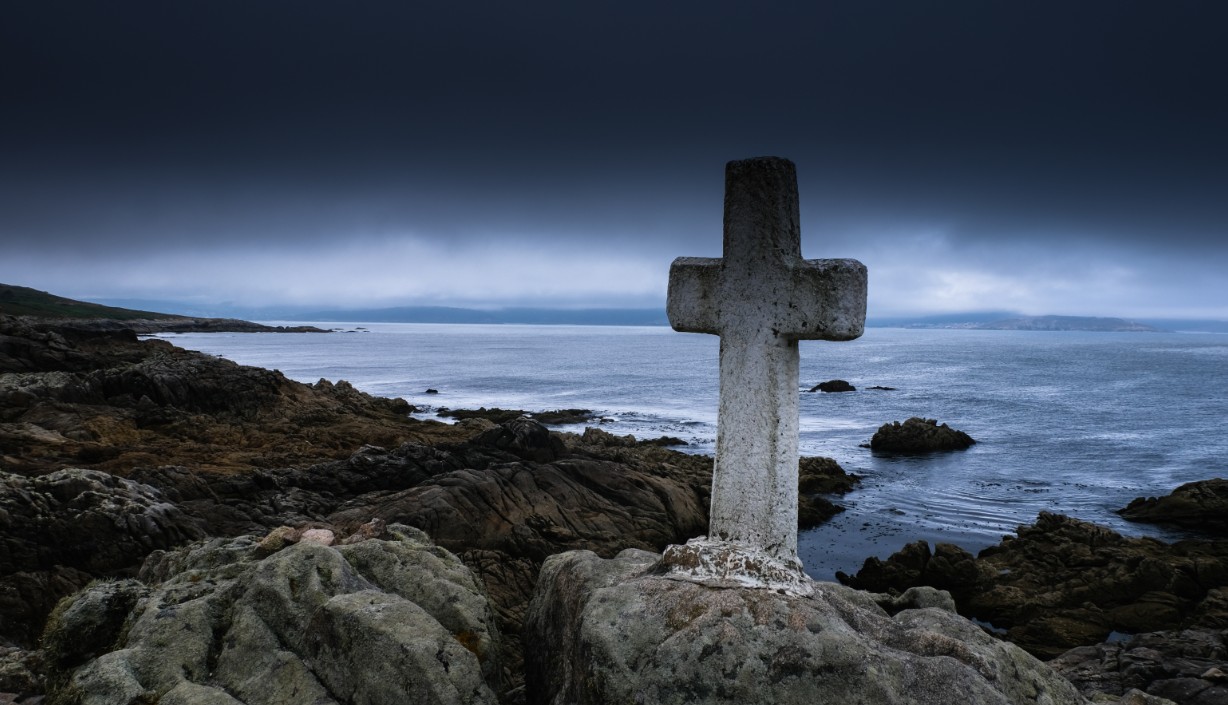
<point>153,326</point>
<point>182,476</point>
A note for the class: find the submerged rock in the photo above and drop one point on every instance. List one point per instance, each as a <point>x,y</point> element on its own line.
<point>1201,505</point>
<point>613,631</point>
<point>380,621</point>
<point>918,435</point>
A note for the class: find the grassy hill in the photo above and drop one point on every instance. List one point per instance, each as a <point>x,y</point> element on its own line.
<point>24,301</point>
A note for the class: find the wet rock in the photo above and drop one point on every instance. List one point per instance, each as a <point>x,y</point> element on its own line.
<point>612,631</point>
<point>834,385</point>
<point>1187,667</point>
<point>1201,505</point>
<point>918,435</point>
<point>818,477</point>
<point>376,622</point>
<point>1062,583</point>
<point>556,417</point>
<point>525,437</point>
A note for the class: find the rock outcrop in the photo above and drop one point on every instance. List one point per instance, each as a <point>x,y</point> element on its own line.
<point>817,478</point>
<point>1201,505</point>
<point>108,401</point>
<point>1062,583</point>
<point>238,450</point>
<point>613,631</point>
<point>377,621</point>
<point>1188,667</point>
<point>918,435</point>
<point>59,531</point>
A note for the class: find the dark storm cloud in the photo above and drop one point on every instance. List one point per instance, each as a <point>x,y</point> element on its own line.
<point>252,126</point>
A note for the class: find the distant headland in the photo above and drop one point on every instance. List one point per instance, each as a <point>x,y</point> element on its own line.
<point>26,302</point>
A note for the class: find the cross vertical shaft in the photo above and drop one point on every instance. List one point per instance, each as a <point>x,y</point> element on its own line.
<point>761,297</point>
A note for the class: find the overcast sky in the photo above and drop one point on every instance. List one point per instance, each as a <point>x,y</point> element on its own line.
<point>1046,157</point>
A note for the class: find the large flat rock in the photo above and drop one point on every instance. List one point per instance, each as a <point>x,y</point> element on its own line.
<point>617,631</point>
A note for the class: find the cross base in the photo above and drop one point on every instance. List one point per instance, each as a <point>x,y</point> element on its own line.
<point>733,564</point>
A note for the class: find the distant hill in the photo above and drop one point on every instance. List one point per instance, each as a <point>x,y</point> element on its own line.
<point>998,320</point>
<point>523,316</point>
<point>24,301</point>
<point>1082,323</point>
<point>420,314</point>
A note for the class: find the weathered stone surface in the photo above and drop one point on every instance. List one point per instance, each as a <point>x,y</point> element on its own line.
<point>21,672</point>
<point>613,631</point>
<point>1201,505</point>
<point>918,435</point>
<point>59,530</point>
<point>382,621</point>
<point>761,297</point>
<point>1062,583</point>
<point>832,386</point>
<point>1188,667</point>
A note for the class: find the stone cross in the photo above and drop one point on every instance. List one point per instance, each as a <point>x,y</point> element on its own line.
<point>761,298</point>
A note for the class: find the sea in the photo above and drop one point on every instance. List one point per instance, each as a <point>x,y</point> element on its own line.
<point>1077,423</point>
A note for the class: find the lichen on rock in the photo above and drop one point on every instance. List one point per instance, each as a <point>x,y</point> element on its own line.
<point>379,621</point>
<point>613,631</point>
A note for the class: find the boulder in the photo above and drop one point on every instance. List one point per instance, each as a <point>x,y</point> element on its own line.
<point>834,385</point>
<point>379,621</point>
<point>616,631</point>
<point>1187,667</point>
<point>60,530</point>
<point>918,435</point>
<point>1201,505</point>
<point>1061,583</point>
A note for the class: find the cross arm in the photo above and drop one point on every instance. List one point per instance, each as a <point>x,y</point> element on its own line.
<point>692,303</point>
<point>828,300</point>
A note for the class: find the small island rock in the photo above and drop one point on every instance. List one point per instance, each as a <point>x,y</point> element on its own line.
<point>918,435</point>
<point>834,385</point>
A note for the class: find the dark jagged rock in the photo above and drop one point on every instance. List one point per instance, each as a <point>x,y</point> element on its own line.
<point>60,530</point>
<point>818,477</point>
<point>1201,505</point>
<point>108,401</point>
<point>557,417</point>
<point>918,435</point>
<point>1188,667</point>
<point>882,389</point>
<point>1062,583</point>
<point>835,385</point>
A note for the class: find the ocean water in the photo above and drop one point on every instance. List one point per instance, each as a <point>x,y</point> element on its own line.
<point>1076,423</point>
